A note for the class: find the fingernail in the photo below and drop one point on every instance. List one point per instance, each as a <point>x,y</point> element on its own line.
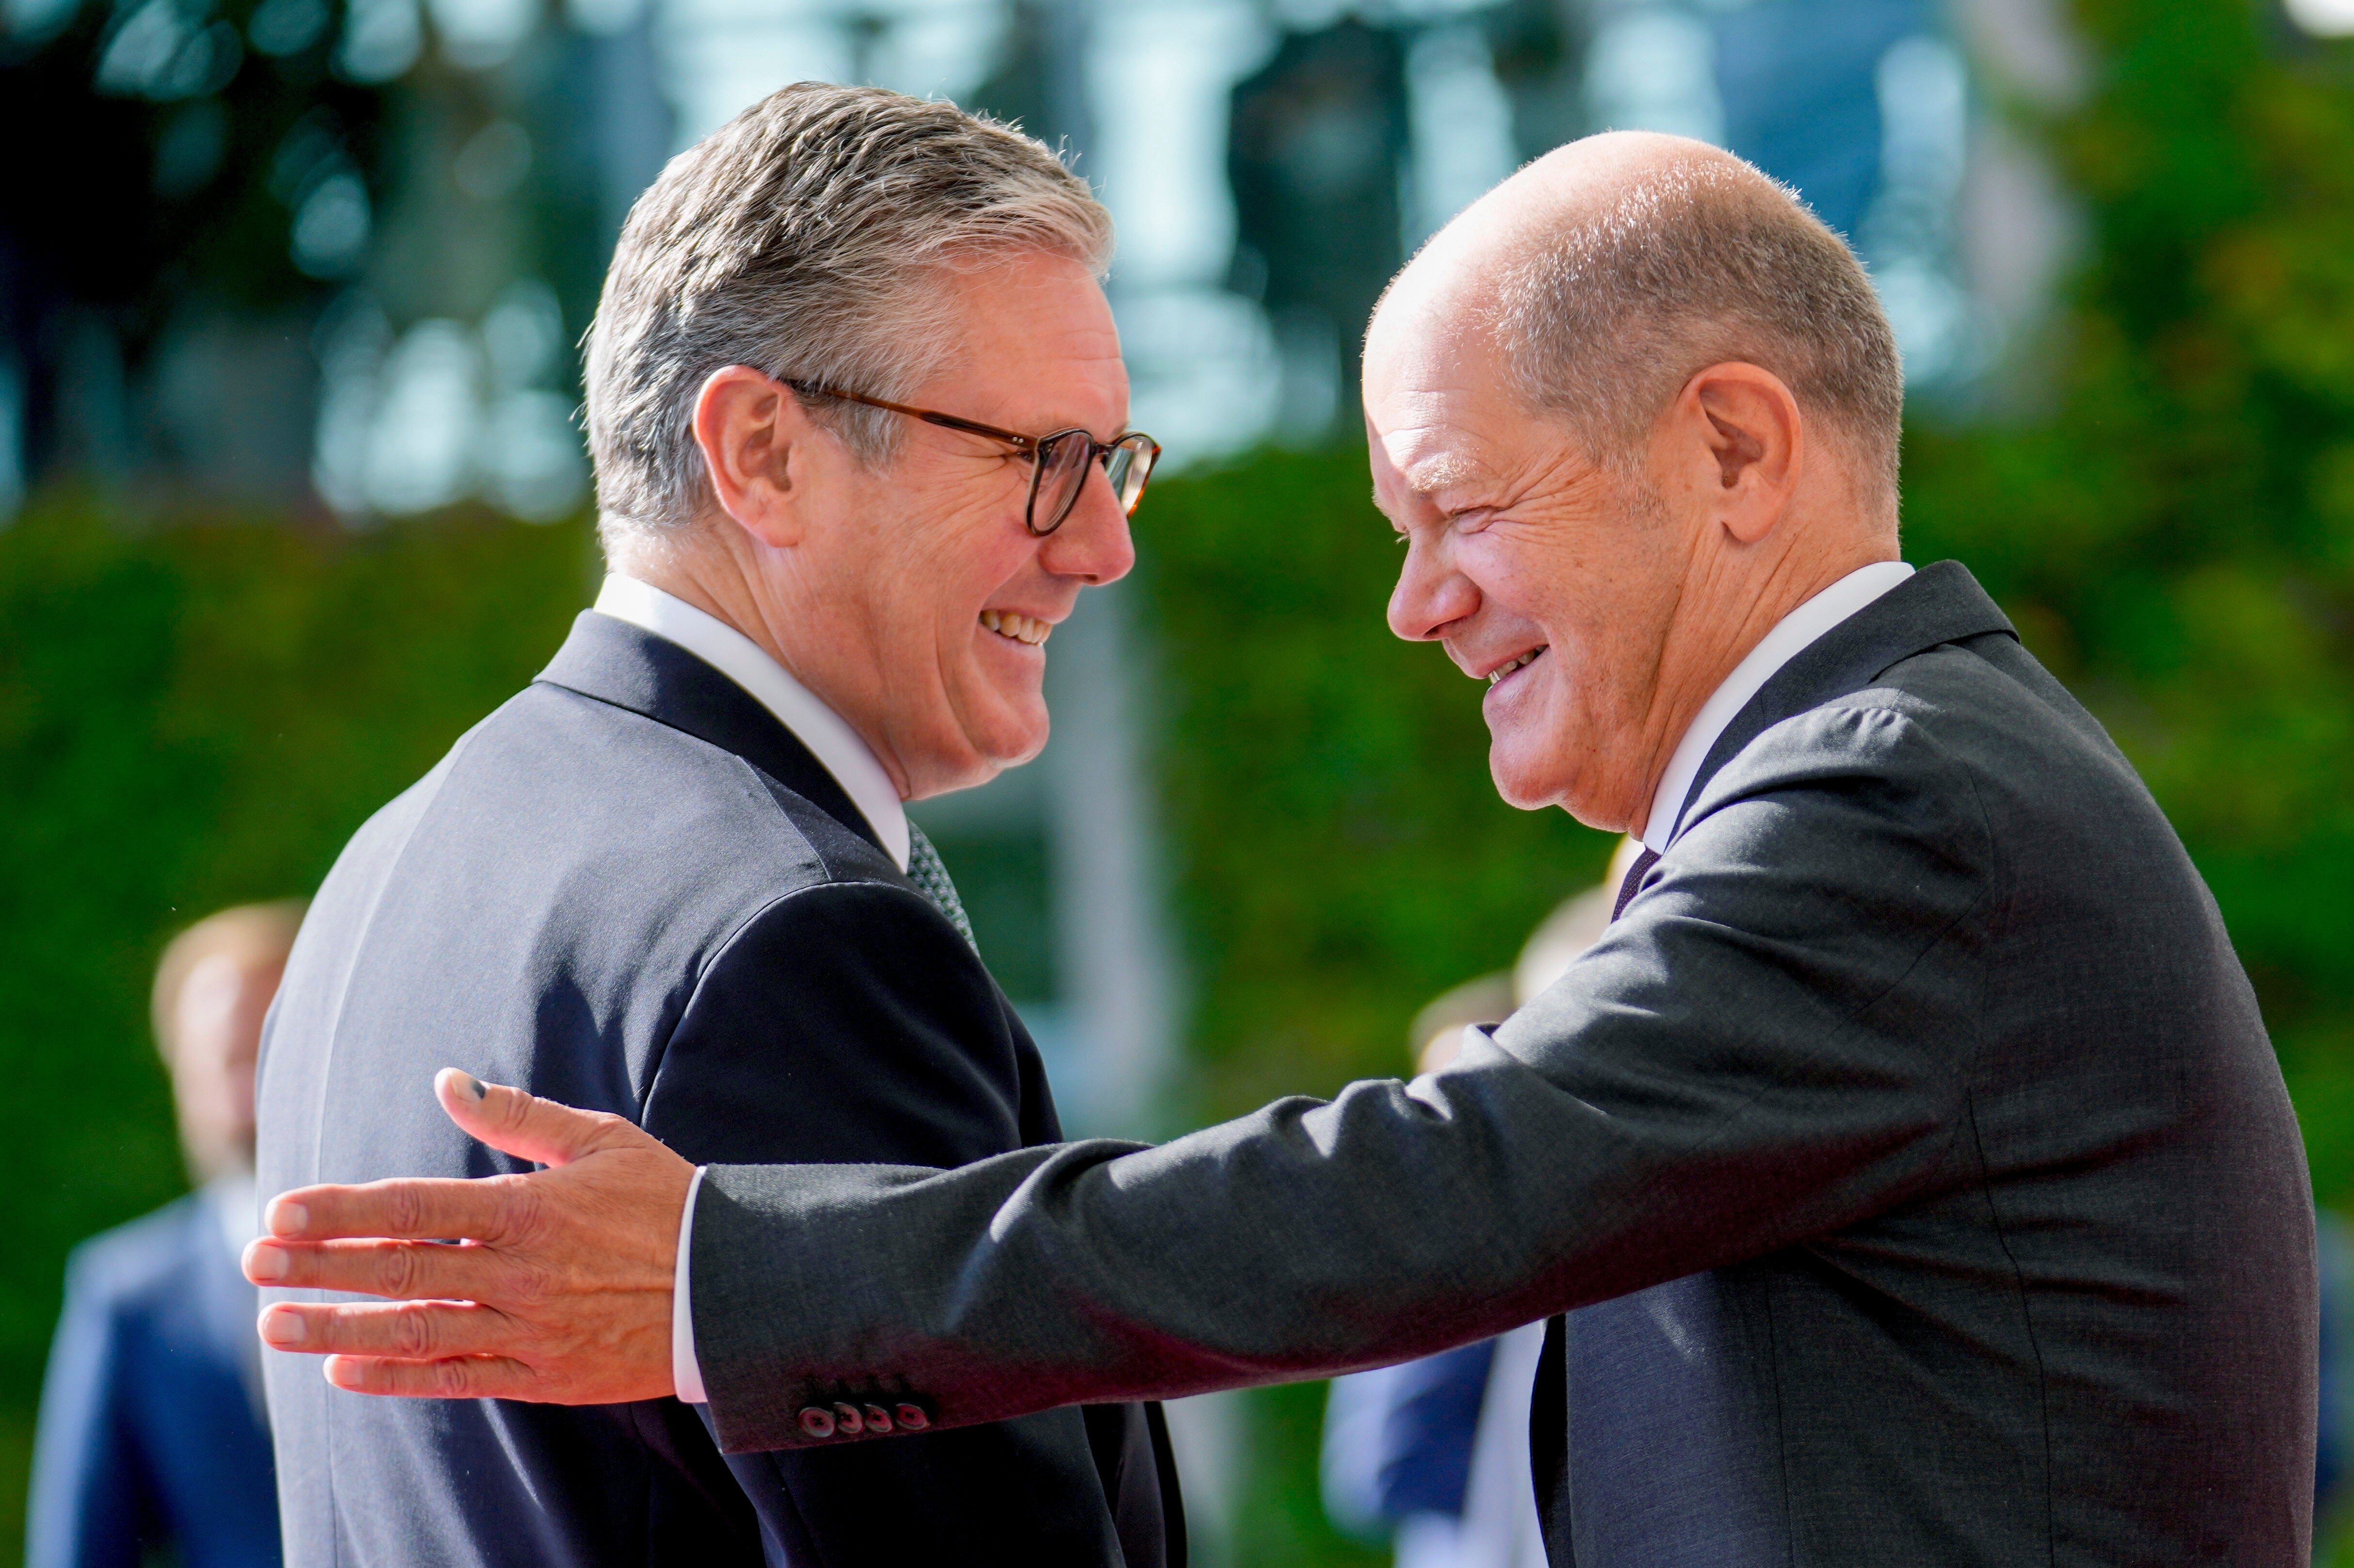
<point>288,1219</point>
<point>280,1326</point>
<point>264,1263</point>
<point>473,1085</point>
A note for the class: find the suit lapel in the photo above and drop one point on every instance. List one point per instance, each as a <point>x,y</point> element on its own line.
<point>614,661</point>
<point>1939,603</point>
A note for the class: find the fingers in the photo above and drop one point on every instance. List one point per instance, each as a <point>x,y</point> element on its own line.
<point>415,1208</point>
<point>401,1271</point>
<point>473,1377</point>
<point>525,1125</point>
<point>408,1331</point>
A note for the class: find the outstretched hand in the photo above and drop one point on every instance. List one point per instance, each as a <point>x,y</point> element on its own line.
<point>558,1291</point>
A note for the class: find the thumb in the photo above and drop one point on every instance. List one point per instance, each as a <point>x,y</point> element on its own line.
<point>525,1125</point>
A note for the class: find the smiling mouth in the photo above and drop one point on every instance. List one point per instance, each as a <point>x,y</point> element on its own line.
<point>1015,627</point>
<point>1497,674</point>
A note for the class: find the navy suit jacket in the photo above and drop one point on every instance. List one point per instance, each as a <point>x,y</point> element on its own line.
<point>151,1433</point>
<point>631,889</point>
<point>1398,1439</point>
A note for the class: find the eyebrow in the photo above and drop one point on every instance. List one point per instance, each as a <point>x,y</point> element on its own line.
<point>1445,470</point>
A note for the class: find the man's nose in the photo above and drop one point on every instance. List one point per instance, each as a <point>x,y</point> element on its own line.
<point>1430,596</point>
<point>1093,545</point>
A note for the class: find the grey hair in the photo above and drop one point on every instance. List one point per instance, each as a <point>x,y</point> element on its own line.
<point>805,238</point>
<point>1693,262</point>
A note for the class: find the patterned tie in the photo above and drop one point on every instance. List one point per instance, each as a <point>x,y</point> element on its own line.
<point>930,875</point>
<point>1549,1400</point>
<point>1643,862</point>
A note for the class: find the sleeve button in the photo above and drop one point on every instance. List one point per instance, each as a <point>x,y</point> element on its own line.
<point>912,1418</point>
<point>817,1420</point>
<point>877,1418</point>
<point>847,1421</point>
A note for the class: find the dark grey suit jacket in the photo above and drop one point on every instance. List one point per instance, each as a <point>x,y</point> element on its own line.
<point>631,888</point>
<point>1910,1157</point>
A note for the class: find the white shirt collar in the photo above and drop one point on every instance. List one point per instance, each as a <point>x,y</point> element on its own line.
<point>236,1202</point>
<point>1791,636</point>
<point>830,740</point>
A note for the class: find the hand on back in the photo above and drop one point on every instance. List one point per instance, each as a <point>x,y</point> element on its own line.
<point>551,1286</point>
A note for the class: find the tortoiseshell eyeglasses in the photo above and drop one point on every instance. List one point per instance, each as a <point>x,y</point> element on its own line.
<point>1059,463</point>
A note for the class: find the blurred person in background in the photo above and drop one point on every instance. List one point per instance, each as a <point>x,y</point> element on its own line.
<point>859,423</point>
<point>1433,1452</point>
<point>152,1444</point>
<point>2334,1448</point>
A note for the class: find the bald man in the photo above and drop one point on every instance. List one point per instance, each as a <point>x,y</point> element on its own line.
<point>1905,1173</point>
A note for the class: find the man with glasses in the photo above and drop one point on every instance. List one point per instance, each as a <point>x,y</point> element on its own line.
<point>858,418</point>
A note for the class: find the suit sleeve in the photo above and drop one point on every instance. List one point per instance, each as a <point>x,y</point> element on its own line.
<point>1770,1044</point>
<point>92,1504</point>
<point>850,1023</point>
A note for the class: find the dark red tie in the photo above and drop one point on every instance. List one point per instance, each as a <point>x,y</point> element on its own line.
<point>1643,862</point>
<point>1549,1400</point>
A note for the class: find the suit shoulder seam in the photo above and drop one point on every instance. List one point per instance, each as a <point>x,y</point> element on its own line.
<point>770,784</point>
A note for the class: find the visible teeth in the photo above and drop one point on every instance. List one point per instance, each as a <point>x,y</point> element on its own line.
<point>1021,628</point>
<point>1497,674</point>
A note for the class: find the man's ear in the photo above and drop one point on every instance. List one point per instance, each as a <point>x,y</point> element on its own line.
<point>756,441</point>
<point>1755,440</point>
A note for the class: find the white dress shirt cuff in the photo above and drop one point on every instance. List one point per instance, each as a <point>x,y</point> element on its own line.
<point>684,1373</point>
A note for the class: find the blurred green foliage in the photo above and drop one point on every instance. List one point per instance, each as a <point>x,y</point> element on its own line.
<point>2175,538</point>
<point>189,719</point>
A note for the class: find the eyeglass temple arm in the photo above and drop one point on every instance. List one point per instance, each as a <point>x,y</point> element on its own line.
<point>949,421</point>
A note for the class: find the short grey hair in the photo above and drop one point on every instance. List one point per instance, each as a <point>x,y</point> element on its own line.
<point>1688,263</point>
<point>805,238</point>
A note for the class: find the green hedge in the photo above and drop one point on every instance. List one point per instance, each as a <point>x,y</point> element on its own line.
<point>188,719</point>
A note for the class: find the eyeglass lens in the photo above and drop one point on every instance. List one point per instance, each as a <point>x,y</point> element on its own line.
<point>1063,474</point>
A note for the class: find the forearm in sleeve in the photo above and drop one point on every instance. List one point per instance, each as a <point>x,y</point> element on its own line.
<point>1772,1044</point>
